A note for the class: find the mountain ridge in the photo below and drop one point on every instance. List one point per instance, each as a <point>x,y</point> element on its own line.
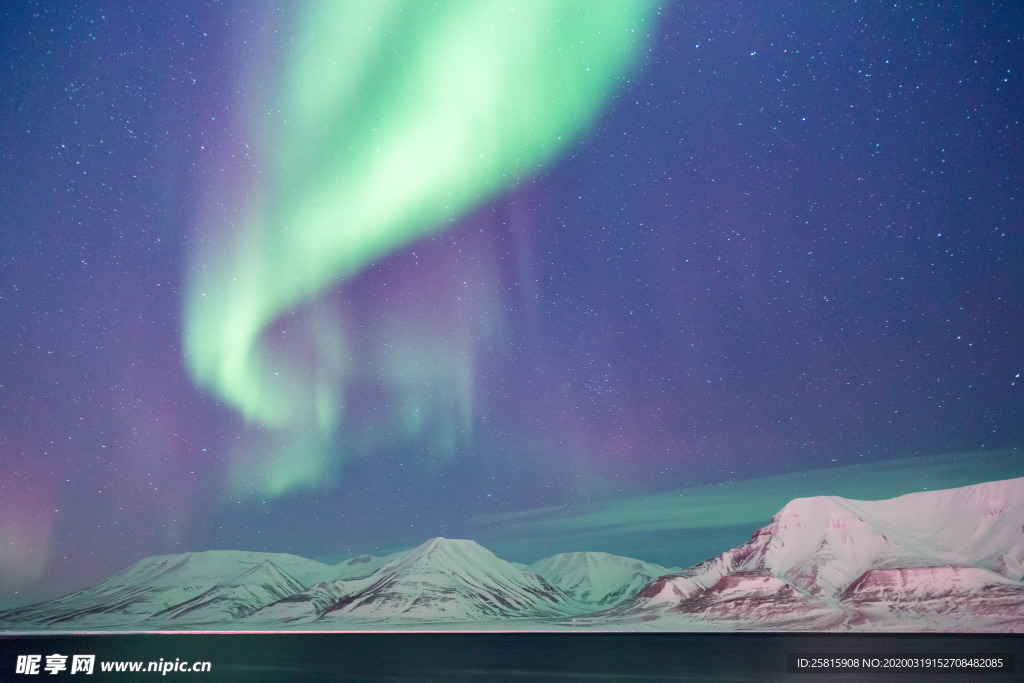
<point>936,560</point>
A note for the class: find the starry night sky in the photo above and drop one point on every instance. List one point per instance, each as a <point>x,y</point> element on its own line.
<point>780,255</point>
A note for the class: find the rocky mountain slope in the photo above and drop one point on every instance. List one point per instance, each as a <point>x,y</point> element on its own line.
<point>935,560</point>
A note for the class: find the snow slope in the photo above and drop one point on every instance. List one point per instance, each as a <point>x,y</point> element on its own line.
<point>450,580</point>
<point>833,563</point>
<point>598,580</point>
<point>305,606</point>
<point>167,589</point>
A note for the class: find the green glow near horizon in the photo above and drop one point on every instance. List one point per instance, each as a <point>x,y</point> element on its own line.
<point>390,121</point>
<point>750,502</point>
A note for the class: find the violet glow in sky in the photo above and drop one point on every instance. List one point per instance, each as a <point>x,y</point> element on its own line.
<point>785,247</point>
<point>391,122</point>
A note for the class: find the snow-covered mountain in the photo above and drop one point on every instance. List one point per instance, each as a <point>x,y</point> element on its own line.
<point>441,581</point>
<point>165,590</point>
<point>941,560</point>
<point>949,560</point>
<point>598,580</point>
<point>262,585</point>
<point>305,606</point>
<point>450,580</point>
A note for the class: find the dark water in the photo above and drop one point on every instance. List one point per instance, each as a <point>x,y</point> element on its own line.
<point>504,656</point>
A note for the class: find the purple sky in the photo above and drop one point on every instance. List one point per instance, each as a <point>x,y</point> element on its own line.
<point>793,241</point>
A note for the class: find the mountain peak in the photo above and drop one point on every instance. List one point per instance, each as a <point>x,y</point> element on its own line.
<point>440,544</point>
<point>449,579</point>
<point>448,543</point>
<point>448,554</point>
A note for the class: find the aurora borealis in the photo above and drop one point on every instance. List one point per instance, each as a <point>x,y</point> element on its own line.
<point>333,278</point>
<point>392,121</point>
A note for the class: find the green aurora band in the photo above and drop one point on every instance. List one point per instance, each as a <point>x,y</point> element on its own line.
<point>389,121</point>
